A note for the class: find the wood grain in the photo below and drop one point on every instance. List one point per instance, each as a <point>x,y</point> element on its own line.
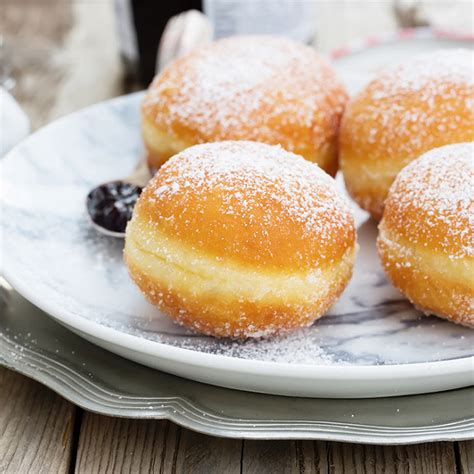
<point>201,454</point>
<point>122,445</point>
<point>36,427</point>
<point>260,457</point>
<point>429,458</point>
<point>466,457</point>
<point>117,445</point>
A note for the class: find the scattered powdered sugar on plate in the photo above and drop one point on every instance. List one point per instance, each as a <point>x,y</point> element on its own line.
<point>298,347</point>
<point>302,346</point>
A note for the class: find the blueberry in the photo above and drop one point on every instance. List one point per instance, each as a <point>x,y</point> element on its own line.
<point>111,205</point>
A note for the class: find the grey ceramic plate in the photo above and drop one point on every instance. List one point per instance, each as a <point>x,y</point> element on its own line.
<point>33,344</point>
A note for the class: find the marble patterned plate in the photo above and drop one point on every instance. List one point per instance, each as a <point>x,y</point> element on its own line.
<point>371,343</point>
<point>33,344</point>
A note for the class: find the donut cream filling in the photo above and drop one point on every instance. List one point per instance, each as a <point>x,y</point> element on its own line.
<point>182,268</point>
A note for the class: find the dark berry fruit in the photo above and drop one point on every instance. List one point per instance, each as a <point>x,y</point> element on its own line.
<point>111,205</point>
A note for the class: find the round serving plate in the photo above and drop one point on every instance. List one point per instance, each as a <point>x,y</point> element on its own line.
<point>371,343</point>
<point>359,61</point>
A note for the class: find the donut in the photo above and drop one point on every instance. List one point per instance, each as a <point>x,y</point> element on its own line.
<point>426,235</point>
<point>262,88</point>
<point>241,239</point>
<point>407,110</point>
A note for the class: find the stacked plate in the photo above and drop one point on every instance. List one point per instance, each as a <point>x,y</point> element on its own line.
<point>372,343</point>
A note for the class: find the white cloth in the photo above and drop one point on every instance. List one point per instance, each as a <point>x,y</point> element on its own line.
<point>14,124</point>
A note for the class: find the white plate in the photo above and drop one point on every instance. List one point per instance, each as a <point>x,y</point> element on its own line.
<point>371,343</point>
<point>360,61</point>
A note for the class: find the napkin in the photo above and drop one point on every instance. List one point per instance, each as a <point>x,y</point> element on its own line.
<point>14,124</point>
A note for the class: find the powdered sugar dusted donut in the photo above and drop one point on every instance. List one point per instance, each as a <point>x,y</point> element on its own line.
<point>261,88</point>
<point>241,239</point>
<point>424,103</point>
<point>426,239</point>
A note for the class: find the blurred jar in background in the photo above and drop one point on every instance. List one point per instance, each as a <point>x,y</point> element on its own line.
<point>292,18</point>
<point>141,24</point>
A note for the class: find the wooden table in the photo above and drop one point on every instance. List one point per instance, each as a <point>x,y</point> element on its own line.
<point>65,57</point>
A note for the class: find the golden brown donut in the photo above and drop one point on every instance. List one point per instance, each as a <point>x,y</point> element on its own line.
<point>426,238</point>
<point>241,239</point>
<point>407,110</point>
<point>261,88</point>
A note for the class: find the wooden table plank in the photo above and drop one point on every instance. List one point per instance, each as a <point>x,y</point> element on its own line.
<point>260,457</point>
<point>36,426</point>
<point>466,457</point>
<point>121,445</point>
<point>429,458</point>
<point>201,454</point>
<point>114,445</point>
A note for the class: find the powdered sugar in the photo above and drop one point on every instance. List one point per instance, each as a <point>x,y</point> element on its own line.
<point>417,105</point>
<point>299,347</point>
<point>428,74</point>
<point>259,185</point>
<point>240,88</point>
<point>441,185</point>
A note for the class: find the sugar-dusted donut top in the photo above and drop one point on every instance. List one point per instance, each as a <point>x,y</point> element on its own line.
<point>431,203</point>
<point>256,204</point>
<point>260,88</point>
<point>410,108</point>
